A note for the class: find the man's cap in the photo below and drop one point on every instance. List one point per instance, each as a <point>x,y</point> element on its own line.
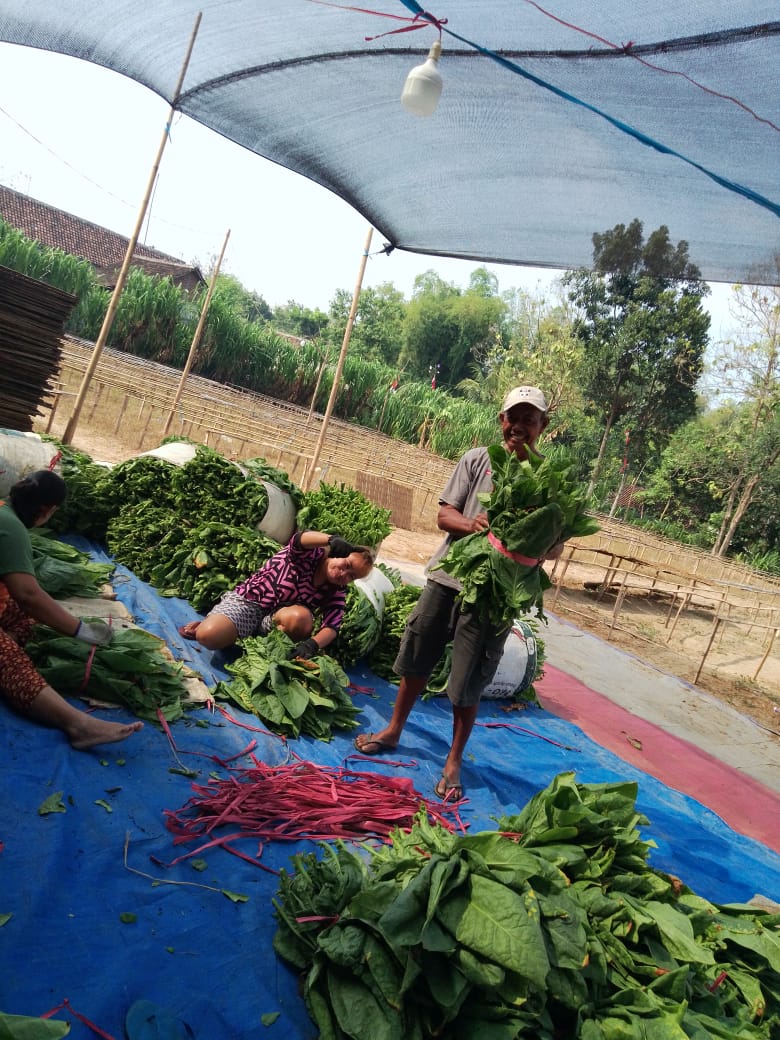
<point>525,395</point>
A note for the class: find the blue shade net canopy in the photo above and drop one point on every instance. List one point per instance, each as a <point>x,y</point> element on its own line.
<point>555,121</point>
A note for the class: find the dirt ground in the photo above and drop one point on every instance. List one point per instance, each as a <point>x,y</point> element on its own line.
<point>643,621</point>
<point>643,632</point>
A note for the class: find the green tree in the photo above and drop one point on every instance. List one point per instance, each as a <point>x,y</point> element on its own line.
<point>377,333</point>
<point>448,331</point>
<point>749,369</point>
<point>297,320</point>
<point>248,305</point>
<point>704,462</point>
<point>644,331</point>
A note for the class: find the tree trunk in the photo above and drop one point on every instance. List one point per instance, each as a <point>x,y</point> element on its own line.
<point>744,501</point>
<point>727,514</point>
<point>602,447</point>
<point>616,501</point>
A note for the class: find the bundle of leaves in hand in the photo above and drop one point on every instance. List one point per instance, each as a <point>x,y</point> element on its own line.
<point>398,606</point>
<point>260,469</point>
<point>131,670</point>
<point>291,696</point>
<point>360,629</point>
<point>85,510</point>
<point>346,512</point>
<point>553,925</point>
<point>534,505</point>
<point>190,559</point>
<point>63,571</point>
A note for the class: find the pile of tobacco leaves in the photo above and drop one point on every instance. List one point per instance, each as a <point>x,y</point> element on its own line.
<point>131,671</point>
<point>534,506</point>
<point>64,571</point>
<point>188,557</point>
<point>346,512</point>
<point>553,926</point>
<point>291,695</point>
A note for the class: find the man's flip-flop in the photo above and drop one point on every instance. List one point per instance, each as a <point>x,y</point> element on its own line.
<point>148,1021</point>
<point>447,792</point>
<point>372,746</point>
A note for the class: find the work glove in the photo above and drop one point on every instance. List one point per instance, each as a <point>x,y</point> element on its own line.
<point>308,648</point>
<point>96,632</point>
<point>339,548</point>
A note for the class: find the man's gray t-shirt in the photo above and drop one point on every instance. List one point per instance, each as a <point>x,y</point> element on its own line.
<point>470,478</point>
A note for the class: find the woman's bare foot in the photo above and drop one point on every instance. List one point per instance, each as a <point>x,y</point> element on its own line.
<point>88,732</point>
<point>190,630</point>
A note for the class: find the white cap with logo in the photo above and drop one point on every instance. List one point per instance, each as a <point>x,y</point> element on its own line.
<point>525,395</point>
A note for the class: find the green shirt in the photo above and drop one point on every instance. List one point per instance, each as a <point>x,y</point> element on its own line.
<point>15,549</point>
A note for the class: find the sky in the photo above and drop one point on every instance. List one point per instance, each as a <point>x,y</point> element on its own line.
<point>84,139</point>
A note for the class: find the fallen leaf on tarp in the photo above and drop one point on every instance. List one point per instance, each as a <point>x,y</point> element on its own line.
<point>104,804</point>
<point>127,918</point>
<point>270,1018</point>
<point>53,803</point>
<point>5,918</point>
<point>633,741</point>
<point>20,1027</point>
<point>235,897</point>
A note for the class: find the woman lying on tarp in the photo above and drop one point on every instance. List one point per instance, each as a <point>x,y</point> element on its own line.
<point>31,501</point>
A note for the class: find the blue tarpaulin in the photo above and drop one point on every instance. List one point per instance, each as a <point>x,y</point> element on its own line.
<point>91,924</point>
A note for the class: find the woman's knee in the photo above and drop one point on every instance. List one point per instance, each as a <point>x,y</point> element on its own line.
<point>296,621</point>
<point>216,632</point>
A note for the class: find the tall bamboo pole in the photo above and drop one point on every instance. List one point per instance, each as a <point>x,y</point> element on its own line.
<point>196,338</point>
<point>108,321</point>
<point>311,469</point>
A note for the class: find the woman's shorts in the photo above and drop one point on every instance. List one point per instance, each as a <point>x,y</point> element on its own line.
<point>477,647</point>
<point>249,618</point>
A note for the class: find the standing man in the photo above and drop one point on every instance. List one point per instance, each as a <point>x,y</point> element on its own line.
<point>437,619</point>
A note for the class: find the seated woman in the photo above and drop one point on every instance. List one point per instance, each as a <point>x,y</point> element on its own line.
<point>31,501</point>
<point>310,573</point>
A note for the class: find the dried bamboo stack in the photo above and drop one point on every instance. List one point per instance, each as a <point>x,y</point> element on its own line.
<point>32,315</point>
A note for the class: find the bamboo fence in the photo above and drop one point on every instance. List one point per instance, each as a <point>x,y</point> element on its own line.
<point>736,609</point>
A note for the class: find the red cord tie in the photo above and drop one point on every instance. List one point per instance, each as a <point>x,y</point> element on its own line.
<point>526,561</point>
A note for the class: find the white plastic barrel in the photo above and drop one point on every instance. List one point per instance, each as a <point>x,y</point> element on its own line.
<point>21,454</point>
<point>279,519</point>
<point>375,586</point>
<point>517,667</point>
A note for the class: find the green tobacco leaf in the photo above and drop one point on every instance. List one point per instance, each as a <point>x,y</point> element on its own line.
<point>104,804</point>
<point>496,924</point>
<point>5,918</point>
<point>235,897</point>
<point>52,804</point>
<point>126,917</point>
<point>20,1027</point>
<point>269,1018</point>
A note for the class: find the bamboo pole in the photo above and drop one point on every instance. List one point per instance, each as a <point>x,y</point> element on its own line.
<point>766,655</point>
<point>196,338</point>
<point>311,469</point>
<point>108,321</point>
<point>713,633</point>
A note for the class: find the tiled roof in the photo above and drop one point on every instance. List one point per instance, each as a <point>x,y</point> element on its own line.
<point>104,249</point>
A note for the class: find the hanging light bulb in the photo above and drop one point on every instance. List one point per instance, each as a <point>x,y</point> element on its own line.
<point>422,89</point>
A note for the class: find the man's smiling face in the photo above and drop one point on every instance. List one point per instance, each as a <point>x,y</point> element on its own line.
<point>521,426</point>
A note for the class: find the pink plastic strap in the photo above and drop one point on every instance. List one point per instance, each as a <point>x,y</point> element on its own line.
<point>526,561</point>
